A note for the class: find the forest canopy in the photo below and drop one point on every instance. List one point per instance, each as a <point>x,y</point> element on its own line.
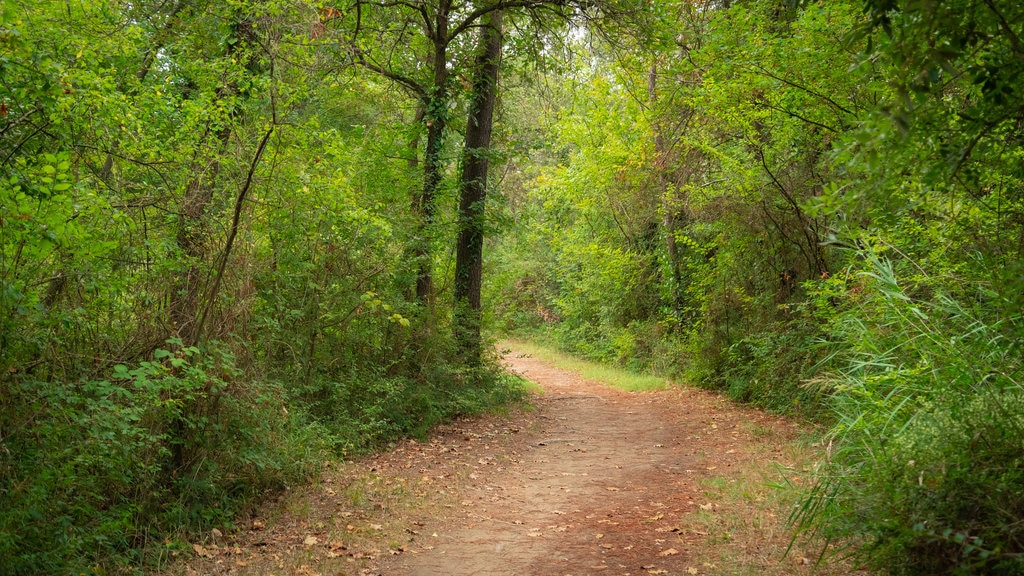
<point>239,238</point>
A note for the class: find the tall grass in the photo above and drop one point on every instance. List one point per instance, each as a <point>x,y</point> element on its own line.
<point>926,467</point>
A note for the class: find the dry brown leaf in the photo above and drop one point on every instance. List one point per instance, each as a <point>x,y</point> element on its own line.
<point>201,551</point>
<point>669,552</point>
<point>311,541</point>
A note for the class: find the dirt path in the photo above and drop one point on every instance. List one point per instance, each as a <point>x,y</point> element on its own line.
<point>591,481</point>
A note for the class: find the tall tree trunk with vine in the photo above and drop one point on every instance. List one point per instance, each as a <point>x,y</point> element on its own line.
<point>473,190</point>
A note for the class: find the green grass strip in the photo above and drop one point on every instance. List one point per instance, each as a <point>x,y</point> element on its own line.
<point>609,375</point>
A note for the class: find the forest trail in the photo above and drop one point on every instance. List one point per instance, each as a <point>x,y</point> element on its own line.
<point>592,480</point>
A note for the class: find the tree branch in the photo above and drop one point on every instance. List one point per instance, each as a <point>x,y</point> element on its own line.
<point>805,89</point>
<point>1014,39</point>
<point>481,11</point>
<point>400,79</point>
<point>233,232</point>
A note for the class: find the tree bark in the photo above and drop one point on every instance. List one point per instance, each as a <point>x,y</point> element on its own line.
<point>667,200</point>
<point>436,118</point>
<point>473,190</point>
<point>193,225</point>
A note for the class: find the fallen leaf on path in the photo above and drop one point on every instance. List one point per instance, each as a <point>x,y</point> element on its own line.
<point>311,541</point>
<point>202,552</point>
<point>691,570</point>
<point>598,536</point>
<point>669,552</point>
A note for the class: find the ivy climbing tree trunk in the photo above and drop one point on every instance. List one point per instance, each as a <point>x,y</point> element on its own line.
<point>435,105</point>
<point>473,190</point>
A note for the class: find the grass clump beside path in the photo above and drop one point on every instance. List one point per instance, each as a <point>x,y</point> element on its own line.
<point>615,377</point>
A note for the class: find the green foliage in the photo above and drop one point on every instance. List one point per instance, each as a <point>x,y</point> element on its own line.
<point>130,135</point>
<point>91,471</point>
<point>927,445</point>
<point>816,209</point>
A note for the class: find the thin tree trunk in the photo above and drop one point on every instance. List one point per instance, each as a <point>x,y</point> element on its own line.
<point>187,291</point>
<point>473,190</point>
<point>158,42</point>
<point>667,199</point>
<point>414,251</point>
<point>436,111</point>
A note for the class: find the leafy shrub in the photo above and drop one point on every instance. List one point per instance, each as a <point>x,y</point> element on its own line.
<point>93,473</point>
<point>370,408</point>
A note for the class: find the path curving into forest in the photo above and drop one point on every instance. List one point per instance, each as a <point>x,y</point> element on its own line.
<point>600,483</point>
<point>591,480</point>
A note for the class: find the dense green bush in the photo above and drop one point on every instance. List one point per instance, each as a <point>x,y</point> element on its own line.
<point>100,473</point>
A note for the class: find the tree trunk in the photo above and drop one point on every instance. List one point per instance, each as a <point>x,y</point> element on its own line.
<point>192,240</point>
<point>436,118</point>
<point>193,225</point>
<point>473,190</point>
<point>667,200</point>
<point>414,251</point>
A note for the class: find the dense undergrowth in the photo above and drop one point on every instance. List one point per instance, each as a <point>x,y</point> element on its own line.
<point>101,475</point>
<point>817,209</point>
<point>227,234</point>
<point>209,259</point>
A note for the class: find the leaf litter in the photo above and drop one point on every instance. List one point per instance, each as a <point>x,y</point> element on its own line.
<point>587,479</point>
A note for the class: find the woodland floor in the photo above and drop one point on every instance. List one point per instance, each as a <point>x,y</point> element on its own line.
<point>586,479</point>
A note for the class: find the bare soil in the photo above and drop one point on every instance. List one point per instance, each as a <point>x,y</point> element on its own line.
<point>586,480</point>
